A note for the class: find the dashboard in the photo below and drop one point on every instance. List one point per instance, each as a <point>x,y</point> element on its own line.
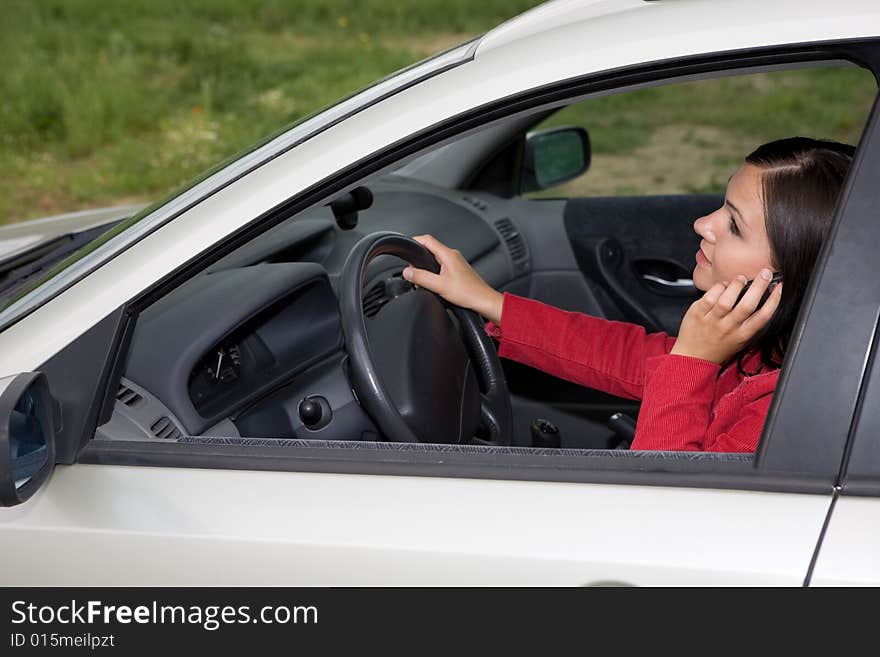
<point>253,345</point>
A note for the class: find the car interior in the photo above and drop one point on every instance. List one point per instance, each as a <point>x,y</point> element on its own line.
<point>285,337</point>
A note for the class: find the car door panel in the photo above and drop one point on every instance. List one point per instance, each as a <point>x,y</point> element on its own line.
<point>640,252</point>
<point>851,542</point>
<point>580,413</point>
<point>622,258</point>
<point>173,526</point>
<point>848,554</point>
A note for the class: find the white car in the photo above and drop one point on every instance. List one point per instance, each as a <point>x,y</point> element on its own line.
<point>232,387</point>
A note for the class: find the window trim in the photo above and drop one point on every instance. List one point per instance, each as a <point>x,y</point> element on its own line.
<point>402,460</point>
<point>770,464</point>
<point>860,465</point>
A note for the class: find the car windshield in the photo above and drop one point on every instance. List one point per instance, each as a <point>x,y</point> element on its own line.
<point>111,243</point>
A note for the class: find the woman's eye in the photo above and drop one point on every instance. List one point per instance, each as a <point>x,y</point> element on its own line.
<point>733,228</point>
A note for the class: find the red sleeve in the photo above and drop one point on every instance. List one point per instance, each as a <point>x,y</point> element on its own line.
<point>745,434</point>
<point>677,404</point>
<point>677,410</point>
<point>594,352</point>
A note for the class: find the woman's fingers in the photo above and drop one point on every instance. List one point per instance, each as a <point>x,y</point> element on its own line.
<point>457,282</point>
<point>436,247</point>
<point>727,300</point>
<point>423,278</point>
<point>752,297</point>
<point>759,319</point>
<point>428,241</point>
<point>717,326</point>
<point>730,299</point>
<point>445,256</point>
<point>707,301</point>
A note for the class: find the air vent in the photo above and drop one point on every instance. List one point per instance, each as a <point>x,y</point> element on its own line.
<point>165,429</point>
<point>128,396</point>
<point>375,299</point>
<point>515,243</point>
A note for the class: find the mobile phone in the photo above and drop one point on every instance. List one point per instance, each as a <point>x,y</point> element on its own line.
<point>774,281</point>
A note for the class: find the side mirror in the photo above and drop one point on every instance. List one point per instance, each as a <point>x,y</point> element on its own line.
<point>553,157</point>
<point>27,436</point>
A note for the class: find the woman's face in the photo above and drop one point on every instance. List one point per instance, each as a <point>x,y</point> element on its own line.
<point>734,236</point>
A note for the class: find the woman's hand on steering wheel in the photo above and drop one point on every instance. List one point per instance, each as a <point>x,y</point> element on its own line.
<point>421,376</point>
<point>457,282</point>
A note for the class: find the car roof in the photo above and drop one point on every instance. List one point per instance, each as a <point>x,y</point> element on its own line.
<point>560,26</point>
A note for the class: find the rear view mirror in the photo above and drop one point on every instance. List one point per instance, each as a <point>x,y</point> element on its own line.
<point>27,436</point>
<point>553,157</point>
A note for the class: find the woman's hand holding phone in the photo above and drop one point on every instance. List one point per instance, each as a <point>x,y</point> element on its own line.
<point>774,281</point>
<point>720,323</point>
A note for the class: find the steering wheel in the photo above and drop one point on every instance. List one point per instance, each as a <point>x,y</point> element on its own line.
<point>418,375</point>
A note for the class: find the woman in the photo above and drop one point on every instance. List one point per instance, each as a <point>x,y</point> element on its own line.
<point>709,388</point>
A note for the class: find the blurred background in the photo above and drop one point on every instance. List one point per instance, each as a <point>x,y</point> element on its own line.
<point>105,102</point>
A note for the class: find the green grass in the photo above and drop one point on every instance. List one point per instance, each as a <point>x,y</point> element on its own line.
<point>106,101</point>
<point>830,101</point>
<point>690,137</point>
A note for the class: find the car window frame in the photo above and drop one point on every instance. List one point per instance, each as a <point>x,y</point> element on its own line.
<point>860,466</point>
<point>772,468</point>
<point>860,473</point>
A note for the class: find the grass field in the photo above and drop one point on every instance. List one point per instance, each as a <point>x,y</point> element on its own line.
<point>104,102</point>
<point>689,137</point>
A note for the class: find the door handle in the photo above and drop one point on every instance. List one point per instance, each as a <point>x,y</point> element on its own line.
<point>677,283</point>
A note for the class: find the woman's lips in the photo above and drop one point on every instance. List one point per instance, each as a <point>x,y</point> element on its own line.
<point>702,260</point>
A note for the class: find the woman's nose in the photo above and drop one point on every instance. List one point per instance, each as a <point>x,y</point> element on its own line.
<point>703,228</point>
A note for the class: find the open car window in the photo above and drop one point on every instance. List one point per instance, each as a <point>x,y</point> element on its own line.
<point>252,350</point>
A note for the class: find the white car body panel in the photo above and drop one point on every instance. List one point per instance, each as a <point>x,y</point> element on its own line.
<point>182,527</point>
<point>646,27</point>
<point>850,548</point>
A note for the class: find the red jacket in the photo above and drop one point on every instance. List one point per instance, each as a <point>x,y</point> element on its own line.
<point>687,403</point>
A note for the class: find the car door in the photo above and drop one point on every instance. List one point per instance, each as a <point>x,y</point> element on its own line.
<point>848,550</point>
<point>846,555</point>
<point>226,510</point>
<point>625,258</point>
<point>638,251</point>
<point>185,526</point>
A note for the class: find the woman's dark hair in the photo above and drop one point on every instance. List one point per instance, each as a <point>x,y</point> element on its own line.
<point>801,182</point>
